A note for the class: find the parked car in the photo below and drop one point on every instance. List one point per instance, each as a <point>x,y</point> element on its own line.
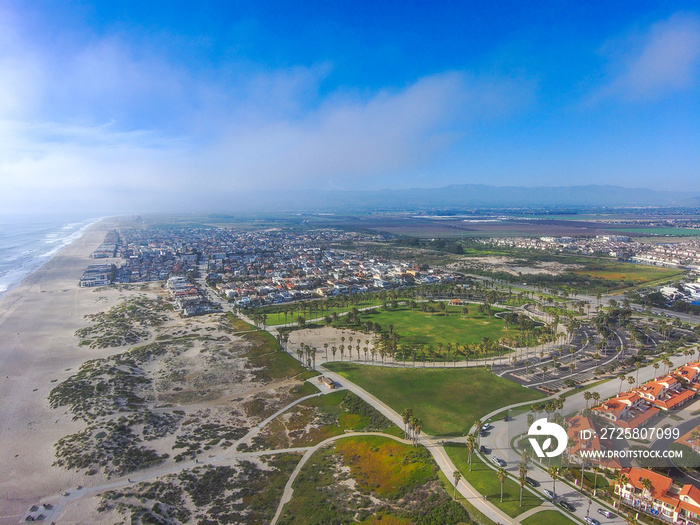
<point>483,449</point>
<point>606,513</point>
<point>591,521</point>
<point>551,495</point>
<point>498,461</point>
<point>487,426</point>
<point>568,506</point>
<point>532,482</point>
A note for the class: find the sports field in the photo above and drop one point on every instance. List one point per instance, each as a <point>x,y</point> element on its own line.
<point>448,401</point>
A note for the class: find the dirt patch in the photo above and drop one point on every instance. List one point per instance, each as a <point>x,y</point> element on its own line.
<point>513,266</point>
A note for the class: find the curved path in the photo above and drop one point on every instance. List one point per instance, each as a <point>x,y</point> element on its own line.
<point>288,490</point>
<point>226,455</point>
<point>501,434</point>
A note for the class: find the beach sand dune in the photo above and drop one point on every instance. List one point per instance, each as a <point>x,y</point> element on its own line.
<point>38,349</point>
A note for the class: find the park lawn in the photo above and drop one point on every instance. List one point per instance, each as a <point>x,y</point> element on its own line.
<point>448,401</point>
<point>548,517</point>
<point>239,325</point>
<point>484,479</point>
<point>422,328</point>
<point>475,515</point>
<point>269,362</point>
<point>276,317</point>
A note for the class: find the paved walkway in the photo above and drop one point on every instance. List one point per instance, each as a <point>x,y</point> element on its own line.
<point>288,490</point>
<point>437,451</point>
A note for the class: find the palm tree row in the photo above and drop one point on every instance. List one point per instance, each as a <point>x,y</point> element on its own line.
<point>412,425</point>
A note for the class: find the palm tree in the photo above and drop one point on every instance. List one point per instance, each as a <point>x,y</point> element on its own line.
<point>595,478</point>
<point>554,473</point>
<point>587,396</point>
<point>522,477</point>
<point>502,476</point>
<point>406,415</point>
<point>646,491</point>
<point>417,427</point>
<point>471,445</point>
<point>622,480</point>
<point>457,476</point>
<point>478,424</point>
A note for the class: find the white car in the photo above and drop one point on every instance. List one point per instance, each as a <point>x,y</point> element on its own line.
<point>498,461</point>
<point>591,521</point>
<point>551,495</point>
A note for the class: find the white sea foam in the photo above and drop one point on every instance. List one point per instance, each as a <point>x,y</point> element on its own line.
<point>29,245</point>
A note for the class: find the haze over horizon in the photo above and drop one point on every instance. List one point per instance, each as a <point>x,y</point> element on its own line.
<point>166,106</point>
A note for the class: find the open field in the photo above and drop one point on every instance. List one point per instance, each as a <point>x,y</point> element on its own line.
<point>484,479</point>
<point>318,419</point>
<point>370,479</point>
<point>319,310</point>
<point>576,273</point>
<point>626,272</point>
<point>650,230</point>
<point>423,328</point>
<point>447,400</point>
<point>548,517</point>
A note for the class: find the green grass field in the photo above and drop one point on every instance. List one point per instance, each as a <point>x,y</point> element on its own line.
<point>447,400</point>
<point>320,309</point>
<point>422,328</point>
<point>484,479</point>
<point>658,231</point>
<point>548,517</point>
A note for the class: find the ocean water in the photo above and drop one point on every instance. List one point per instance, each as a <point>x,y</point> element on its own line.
<point>26,243</point>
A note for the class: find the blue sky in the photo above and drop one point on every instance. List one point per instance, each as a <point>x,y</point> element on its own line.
<point>158,105</point>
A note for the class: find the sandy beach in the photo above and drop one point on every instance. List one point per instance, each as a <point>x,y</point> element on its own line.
<point>37,324</point>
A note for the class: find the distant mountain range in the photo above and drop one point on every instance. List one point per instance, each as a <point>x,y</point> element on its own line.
<point>467,196</point>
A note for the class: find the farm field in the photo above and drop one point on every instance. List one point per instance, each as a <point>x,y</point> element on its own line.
<point>447,400</point>
<point>484,479</point>
<point>369,479</point>
<point>650,230</point>
<point>423,328</point>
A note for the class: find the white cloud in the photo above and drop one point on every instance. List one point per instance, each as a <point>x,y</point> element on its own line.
<point>662,61</point>
<point>105,126</point>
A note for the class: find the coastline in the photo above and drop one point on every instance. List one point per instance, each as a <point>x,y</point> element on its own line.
<point>38,319</point>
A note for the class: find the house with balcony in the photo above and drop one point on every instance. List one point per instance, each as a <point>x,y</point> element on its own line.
<point>660,497</point>
<point>627,410</point>
<point>666,393</point>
